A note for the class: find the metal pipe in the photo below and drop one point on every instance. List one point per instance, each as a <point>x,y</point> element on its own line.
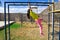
<point>48,26</point>
<point>27,5</point>
<point>52,24</point>
<point>32,2</point>
<point>5,22</point>
<point>49,21</point>
<point>59,28</point>
<point>8,24</point>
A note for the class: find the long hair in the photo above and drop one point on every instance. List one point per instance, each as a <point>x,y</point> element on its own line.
<point>28,13</point>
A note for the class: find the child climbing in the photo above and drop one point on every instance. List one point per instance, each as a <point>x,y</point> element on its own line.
<point>30,13</point>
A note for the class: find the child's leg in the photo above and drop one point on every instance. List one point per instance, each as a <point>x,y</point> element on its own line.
<point>41,28</point>
<point>40,25</point>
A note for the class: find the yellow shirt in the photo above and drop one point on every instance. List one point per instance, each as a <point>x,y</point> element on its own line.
<point>33,15</point>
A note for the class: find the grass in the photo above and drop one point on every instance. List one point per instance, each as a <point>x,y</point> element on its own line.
<point>15,25</point>
<point>26,32</point>
<point>2,35</point>
<point>12,26</point>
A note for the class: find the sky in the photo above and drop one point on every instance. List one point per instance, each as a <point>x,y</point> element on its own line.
<point>22,9</point>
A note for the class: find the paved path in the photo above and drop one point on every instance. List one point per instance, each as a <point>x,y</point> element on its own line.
<point>2,23</point>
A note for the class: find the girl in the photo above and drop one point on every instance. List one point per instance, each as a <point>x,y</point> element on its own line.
<point>30,13</point>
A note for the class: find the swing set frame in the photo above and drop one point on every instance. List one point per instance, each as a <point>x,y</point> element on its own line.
<point>36,4</point>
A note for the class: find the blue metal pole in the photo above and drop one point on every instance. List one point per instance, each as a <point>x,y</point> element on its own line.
<point>53,8</point>
<point>8,24</point>
<point>52,26</point>
<point>5,30</point>
<point>52,22</point>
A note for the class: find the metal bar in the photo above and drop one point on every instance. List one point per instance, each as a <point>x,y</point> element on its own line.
<point>48,26</point>
<point>32,2</point>
<point>8,24</point>
<point>53,22</point>
<point>59,28</point>
<point>49,22</point>
<point>5,22</point>
<point>27,5</point>
<point>52,26</point>
<point>53,8</point>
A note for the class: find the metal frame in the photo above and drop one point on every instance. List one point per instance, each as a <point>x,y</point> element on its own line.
<point>59,27</point>
<point>58,24</point>
<point>43,4</point>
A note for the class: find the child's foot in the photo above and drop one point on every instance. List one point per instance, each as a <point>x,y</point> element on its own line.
<point>41,34</point>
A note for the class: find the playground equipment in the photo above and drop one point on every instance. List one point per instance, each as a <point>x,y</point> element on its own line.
<point>25,4</point>
<point>59,26</point>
